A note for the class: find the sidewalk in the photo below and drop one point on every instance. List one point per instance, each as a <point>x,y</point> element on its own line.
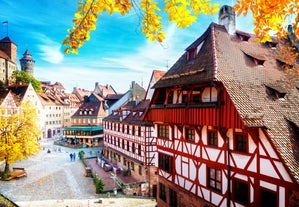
<point>53,180</point>
<point>107,176</point>
<point>101,202</point>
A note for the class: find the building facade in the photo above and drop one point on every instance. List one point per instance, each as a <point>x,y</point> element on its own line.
<point>128,143</point>
<point>226,125</point>
<point>8,58</point>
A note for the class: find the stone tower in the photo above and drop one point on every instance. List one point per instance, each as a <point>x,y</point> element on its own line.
<point>8,60</point>
<point>227,18</point>
<point>10,48</point>
<point>27,63</point>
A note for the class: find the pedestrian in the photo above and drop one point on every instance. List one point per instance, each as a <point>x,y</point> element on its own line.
<point>71,156</point>
<point>74,156</point>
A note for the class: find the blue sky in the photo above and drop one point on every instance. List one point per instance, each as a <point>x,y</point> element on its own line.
<point>117,53</point>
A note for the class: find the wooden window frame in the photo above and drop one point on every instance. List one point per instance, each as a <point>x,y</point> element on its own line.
<point>162,192</point>
<point>212,141</point>
<point>163,131</point>
<point>173,198</point>
<point>165,162</point>
<point>239,195</point>
<point>190,134</point>
<point>214,180</point>
<point>241,142</point>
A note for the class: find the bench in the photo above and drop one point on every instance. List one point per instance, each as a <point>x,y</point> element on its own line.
<point>19,172</point>
<point>16,172</point>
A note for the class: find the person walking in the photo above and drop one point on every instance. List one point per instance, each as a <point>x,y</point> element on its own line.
<point>71,156</point>
<point>74,156</point>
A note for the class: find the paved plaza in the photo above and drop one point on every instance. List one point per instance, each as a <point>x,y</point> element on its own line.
<point>54,180</point>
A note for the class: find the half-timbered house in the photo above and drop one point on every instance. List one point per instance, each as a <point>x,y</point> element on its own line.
<point>129,147</point>
<point>226,125</point>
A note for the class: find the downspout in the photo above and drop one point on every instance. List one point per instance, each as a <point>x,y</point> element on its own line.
<point>228,172</point>
<point>219,95</point>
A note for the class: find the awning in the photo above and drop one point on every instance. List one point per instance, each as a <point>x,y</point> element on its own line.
<point>83,128</point>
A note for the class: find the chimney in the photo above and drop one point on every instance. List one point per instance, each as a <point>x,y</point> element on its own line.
<point>227,18</point>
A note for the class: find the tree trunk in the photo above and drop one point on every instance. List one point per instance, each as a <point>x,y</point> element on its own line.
<point>6,169</point>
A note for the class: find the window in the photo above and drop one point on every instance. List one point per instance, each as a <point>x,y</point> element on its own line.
<point>125,161</point>
<point>162,194</point>
<point>139,131</point>
<point>268,198</point>
<point>185,97</point>
<point>170,97</point>
<point>241,142</point>
<point>128,145</point>
<point>165,162</point>
<point>212,138</point>
<point>139,149</point>
<point>214,179</point>
<point>132,166</point>
<point>133,147</point>
<point>140,169</point>
<point>275,93</point>
<point>190,134</point>
<point>163,131</point>
<point>195,96</point>
<point>173,198</point>
<point>241,192</point>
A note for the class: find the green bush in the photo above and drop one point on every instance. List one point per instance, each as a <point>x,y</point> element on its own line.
<point>99,185</point>
<point>81,155</point>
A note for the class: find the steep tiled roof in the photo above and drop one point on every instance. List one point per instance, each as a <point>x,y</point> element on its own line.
<point>130,112</point>
<point>4,55</point>
<point>91,108</point>
<point>182,72</point>
<point>247,69</point>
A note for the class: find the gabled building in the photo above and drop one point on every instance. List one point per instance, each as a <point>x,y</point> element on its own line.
<point>129,147</point>
<point>86,123</point>
<point>23,93</point>
<point>226,125</point>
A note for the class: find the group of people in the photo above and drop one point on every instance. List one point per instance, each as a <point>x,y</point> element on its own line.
<point>73,156</point>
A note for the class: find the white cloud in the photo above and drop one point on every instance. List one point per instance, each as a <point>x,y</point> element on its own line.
<point>51,52</point>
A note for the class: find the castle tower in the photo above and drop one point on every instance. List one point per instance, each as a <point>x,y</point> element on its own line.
<point>8,60</point>
<point>27,63</point>
<point>227,18</point>
<point>10,48</point>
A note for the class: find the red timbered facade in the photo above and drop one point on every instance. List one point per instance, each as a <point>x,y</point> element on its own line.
<point>226,127</point>
<point>129,145</point>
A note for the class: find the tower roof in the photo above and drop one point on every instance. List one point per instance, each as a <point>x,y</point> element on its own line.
<point>7,40</point>
<point>27,56</point>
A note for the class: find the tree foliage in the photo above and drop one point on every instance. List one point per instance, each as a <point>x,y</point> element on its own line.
<point>24,78</point>
<point>18,134</point>
<point>182,12</point>
<point>270,17</point>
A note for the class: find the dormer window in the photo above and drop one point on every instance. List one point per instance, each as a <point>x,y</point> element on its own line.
<point>272,45</point>
<point>283,65</point>
<point>191,55</point>
<point>243,37</point>
<point>275,93</point>
<point>258,61</point>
